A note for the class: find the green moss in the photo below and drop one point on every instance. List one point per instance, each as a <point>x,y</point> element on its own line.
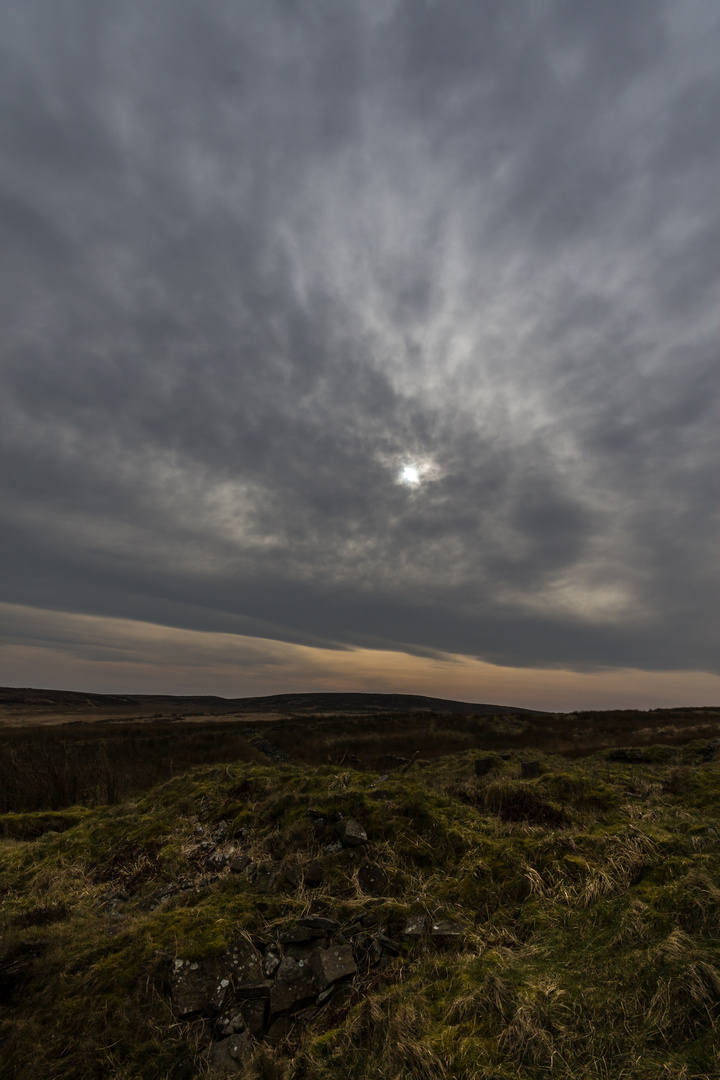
<point>590,897</point>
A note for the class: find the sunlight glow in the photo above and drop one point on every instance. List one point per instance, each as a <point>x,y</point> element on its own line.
<point>410,474</point>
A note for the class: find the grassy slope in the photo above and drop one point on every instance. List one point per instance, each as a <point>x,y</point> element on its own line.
<point>591,897</point>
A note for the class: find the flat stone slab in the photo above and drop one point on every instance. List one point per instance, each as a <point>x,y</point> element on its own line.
<point>351,833</point>
<point>415,928</point>
<point>332,964</point>
<point>319,923</point>
<point>446,931</point>
<point>245,965</point>
<point>200,986</point>
<point>372,878</point>
<point>294,986</point>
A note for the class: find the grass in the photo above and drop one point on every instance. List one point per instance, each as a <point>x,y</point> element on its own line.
<point>589,896</point>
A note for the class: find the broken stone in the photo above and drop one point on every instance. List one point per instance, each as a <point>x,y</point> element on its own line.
<point>238,863</point>
<point>292,875</point>
<point>279,1029</point>
<point>254,1013</point>
<point>351,833</point>
<point>445,931</point>
<point>296,934</point>
<point>319,923</point>
<point>332,964</point>
<point>372,878</point>
<point>303,950</point>
<point>245,967</point>
<point>415,928</point>
<point>294,986</point>
<point>314,876</point>
<point>219,832</point>
<point>388,943</point>
<point>183,1069</point>
<point>226,1057</point>
<point>267,871</point>
<point>529,769</point>
<point>231,1025</point>
<point>199,987</point>
<point>270,964</point>
<point>319,828</point>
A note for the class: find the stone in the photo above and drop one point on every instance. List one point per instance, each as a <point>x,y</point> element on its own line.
<point>372,879</point>
<point>529,769</point>
<point>351,833</point>
<point>231,1025</point>
<point>319,828</point>
<point>333,848</point>
<point>245,965</point>
<point>219,832</point>
<point>292,875</point>
<point>254,1012</point>
<point>314,875</point>
<point>295,935</point>
<point>312,813</point>
<point>303,950</point>
<point>388,943</point>
<point>446,931</point>
<point>238,863</point>
<point>226,1057</point>
<point>294,986</point>
<point>320,924</point>
<point>183,1069</point>
<point>267,871</point>
<point>415,928</point>
<point>332,964</point>
<point>279,1029</point>
<point>484,765</point>
<point>270,964</point>
<point>199,986</point>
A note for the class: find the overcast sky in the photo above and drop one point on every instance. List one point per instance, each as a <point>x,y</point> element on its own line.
<point>387,326</point>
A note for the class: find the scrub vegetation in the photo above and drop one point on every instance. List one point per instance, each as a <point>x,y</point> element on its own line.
<point>587,899</point>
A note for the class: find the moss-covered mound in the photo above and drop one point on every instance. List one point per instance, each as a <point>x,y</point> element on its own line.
<point>282,921</point>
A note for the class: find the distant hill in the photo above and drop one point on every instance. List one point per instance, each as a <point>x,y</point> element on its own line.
<point>25,704</point>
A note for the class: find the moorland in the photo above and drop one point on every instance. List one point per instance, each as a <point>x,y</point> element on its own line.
<point>356,887</point>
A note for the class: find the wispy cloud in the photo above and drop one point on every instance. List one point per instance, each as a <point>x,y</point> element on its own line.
<point>257,258</point>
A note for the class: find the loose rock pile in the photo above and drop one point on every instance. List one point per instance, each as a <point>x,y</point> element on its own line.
<point>265,987</point>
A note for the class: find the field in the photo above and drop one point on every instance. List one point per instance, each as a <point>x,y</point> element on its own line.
<point>307,887</point>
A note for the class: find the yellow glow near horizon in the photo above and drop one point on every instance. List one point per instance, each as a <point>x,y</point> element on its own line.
<point>64,651</point>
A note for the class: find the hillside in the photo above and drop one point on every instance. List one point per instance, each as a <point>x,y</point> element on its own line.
<point>494,910</point>
<point>26,705</point>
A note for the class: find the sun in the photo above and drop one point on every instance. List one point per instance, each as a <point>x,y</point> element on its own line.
<point>410,474</point>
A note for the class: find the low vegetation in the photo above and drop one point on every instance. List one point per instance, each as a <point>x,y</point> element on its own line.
<point>581,906</point>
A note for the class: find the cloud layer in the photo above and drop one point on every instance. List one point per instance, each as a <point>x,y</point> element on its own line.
<point>258,257</point>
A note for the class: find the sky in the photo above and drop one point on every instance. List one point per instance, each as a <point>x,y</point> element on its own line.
<point>361,344</point>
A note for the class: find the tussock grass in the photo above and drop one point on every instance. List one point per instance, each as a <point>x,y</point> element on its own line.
<point>589,897</point>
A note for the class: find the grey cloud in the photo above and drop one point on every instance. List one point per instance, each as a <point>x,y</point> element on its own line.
<point>259,255</point>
